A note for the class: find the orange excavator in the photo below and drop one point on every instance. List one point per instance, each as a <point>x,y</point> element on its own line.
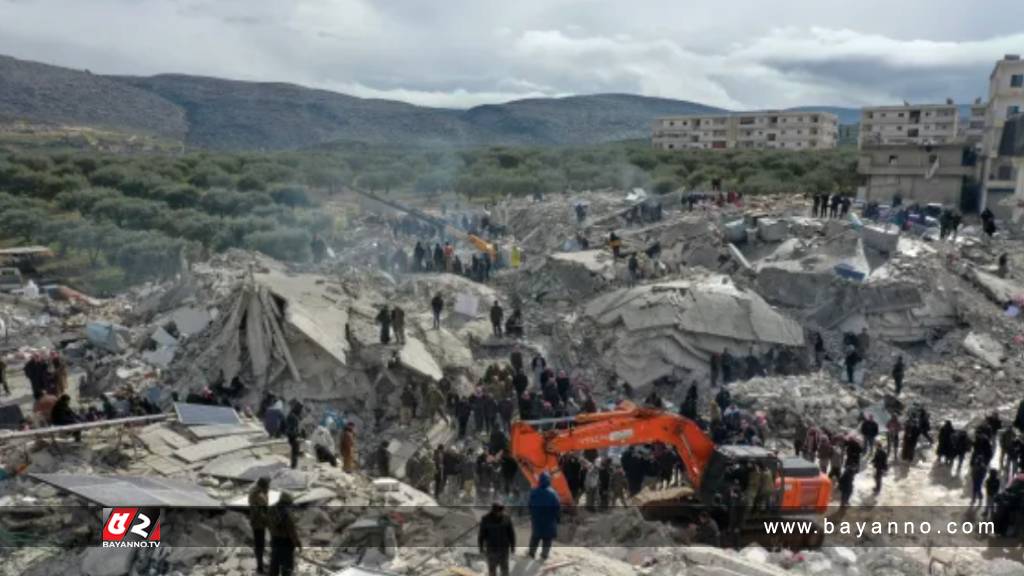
<point>801,489</point>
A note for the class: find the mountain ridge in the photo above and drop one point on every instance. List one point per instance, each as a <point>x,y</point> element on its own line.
<point>223,114</point>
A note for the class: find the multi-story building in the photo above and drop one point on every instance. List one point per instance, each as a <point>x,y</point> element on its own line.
<point>926,124</point>
<point>1005,100</point>
<point>916,173</point>
<point>749,130</point>
<point>973,129</point>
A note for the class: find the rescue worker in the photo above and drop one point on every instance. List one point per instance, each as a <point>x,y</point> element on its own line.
<point>617,486</point>
<point>259,502</point>
<point>284,538</point>
<point>497,540</point>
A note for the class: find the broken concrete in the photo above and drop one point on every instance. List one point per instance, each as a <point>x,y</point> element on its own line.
<point>985,348</point>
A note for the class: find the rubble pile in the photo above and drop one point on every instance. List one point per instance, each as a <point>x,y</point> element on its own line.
<point>758,283</point>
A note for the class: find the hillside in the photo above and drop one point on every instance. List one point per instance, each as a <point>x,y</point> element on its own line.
<point>41,93</point>
<point>224,114</point>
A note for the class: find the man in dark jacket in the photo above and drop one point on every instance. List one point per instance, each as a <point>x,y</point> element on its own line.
<point>880,462</point>
<point>384,319</point>
<point>897,374</point>
<point>284,538</point>
<point>545,513</point>
<point>497,539</point>
<point>258,516</point>
<point>497,317</point>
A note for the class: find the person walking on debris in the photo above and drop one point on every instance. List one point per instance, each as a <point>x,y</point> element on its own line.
<point>259,502</point>
<point>978,469</point>
<point>384,319</point>
<point>852,358</point>
<point>634,268</point>
<point>545,513</point>
<point>817,204</point>
<point>834,206</point>
<point>436,306</point>
<point>497,540</point>
<point>819,350</point>
<point>347,448</point>
<point>869,430</point>
<point>991,491</point>
<point>284,538</point>
<point>292,431</point>
<point>880,462</point>
<point>614,243</point>
<point>1004,265</point>
<point>892,434</point>
<point>323,446</point>
<point>846,486</point>
<point>497,317</point>
<point>897,374</point>
<point>439,472</point>
<point>398,323</point>
<point>383,460</point>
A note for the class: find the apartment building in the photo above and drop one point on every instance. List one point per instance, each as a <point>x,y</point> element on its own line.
<point>916,173</point>
<point>1005,101</point>
<point>752,130</point>
<point>922,125</point>
<point>973,130</point>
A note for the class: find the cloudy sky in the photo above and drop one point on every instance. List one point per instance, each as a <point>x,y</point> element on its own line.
<point>459,53</point>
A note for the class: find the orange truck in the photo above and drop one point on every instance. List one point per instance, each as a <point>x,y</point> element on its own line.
<point>801,489</point>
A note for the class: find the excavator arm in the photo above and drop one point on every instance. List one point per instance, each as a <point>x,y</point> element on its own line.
<point>539,451</point>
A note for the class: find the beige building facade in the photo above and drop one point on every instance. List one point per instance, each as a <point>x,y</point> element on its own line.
<point>917,174</point>
<point>925,124</point>
<point>1005,101</point>
<point>754,130</point>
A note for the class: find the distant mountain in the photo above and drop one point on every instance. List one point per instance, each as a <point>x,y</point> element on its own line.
<point>234,115</point>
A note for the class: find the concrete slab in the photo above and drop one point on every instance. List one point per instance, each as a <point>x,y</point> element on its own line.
<point>211,448</point>
<point>879,239</point>
<point>985,348</point>
<point>772,230</point>
<point>415,356</point>
<point>311,309</point>
<point>191,320</point>
<point>218,430</point>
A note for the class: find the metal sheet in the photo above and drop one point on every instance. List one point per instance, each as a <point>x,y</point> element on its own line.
<point>114,491</point>
<point>193,414</point>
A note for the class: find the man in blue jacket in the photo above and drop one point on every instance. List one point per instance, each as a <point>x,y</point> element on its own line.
<point>545,513</point>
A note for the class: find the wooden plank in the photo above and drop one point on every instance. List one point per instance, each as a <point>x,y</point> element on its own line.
<point>211,448</point>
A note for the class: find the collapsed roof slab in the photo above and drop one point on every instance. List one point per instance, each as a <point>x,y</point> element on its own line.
<point>311,308</point>
<point>676,326</point>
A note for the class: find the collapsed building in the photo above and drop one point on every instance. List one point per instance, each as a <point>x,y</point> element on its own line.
<point>756,280</point>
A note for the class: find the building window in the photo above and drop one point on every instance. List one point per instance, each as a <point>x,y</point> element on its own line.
<point>892,159</point>
<point>913,133</point>
<point>1005,173</point>
<point>1012,111</point>
<point>1017,81</point>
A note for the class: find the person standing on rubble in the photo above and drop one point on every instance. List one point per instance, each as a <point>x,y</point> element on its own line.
<point>259,502</point>
<point>497,540</point>
<point>817,204</point>
<point>284,538</point>
<point>347,448</point>
<point>3,377</point>
<point>435,403</point>
<point>323,446</point>
<point>384,319</point>
<point>293,431</point>
<point>398,322</point>
<point>436,306</point>
<point>438,457</point>
<point>819,350</point>
<point>408,405</point>
<point>545,513</point>
<point>634,268</point>
<point>852,358</point>
<point>846,486</point>
<point>438,258</point>
<point>615,243</point>
<point>869,430</point>
<point>897,374</point>
<point>382,456</point>
<point>892,434</point>
<point>880,462</point>
<point>497,317</point>
<point>834,206</point>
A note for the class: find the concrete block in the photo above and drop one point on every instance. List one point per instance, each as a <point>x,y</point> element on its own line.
<point>879,239</point>
<point>772,230</point>
<point>735,231</point>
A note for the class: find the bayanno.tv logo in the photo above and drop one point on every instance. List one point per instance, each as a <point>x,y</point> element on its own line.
<point>131,527</point>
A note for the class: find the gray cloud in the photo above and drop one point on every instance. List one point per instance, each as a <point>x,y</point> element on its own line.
<point>739,53</point>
